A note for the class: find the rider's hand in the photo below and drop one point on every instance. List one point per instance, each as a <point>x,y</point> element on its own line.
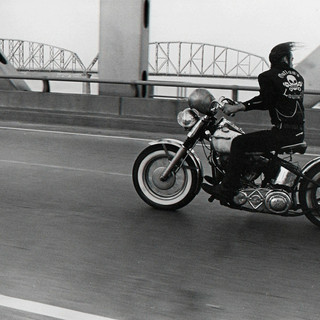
<point>229,109</point>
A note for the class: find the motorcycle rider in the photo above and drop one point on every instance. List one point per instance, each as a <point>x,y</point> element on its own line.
<point>281,92</point>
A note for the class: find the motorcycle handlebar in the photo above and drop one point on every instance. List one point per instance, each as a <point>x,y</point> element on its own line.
<point>219,104</point>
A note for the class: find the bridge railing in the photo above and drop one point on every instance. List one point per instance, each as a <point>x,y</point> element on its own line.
<point>141,87</point>
<point>145,89</point>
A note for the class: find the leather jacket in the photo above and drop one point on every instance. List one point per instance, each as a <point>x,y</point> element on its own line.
<point>281,92</point>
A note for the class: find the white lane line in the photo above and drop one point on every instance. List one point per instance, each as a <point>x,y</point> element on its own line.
<point>74,133</point>
<point>312,154</point>
<point>99,136</point>
<point>46,309</point>
<point>65,168</point>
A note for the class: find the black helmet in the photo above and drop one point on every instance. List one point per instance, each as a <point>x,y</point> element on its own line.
<point>281,50</point>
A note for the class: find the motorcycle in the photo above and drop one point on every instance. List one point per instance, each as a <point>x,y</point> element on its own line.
<point>168,174</point>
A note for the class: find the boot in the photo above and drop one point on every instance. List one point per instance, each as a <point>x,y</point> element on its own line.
<point>220,192</point>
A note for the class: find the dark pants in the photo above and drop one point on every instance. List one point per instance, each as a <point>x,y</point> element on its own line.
<point>260,141</point>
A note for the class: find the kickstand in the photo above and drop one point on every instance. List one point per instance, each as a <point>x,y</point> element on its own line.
<point>211,199</point>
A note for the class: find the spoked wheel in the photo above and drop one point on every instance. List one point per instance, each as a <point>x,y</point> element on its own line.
<point>176,191</point>
<point>309,196</point>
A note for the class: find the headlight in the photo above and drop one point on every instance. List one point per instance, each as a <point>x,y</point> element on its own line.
<point>188,118</point>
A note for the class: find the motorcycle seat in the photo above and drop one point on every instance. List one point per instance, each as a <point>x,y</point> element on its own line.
<point>293,148</point>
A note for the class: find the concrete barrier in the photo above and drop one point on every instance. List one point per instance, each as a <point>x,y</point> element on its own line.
<point>144,114</point>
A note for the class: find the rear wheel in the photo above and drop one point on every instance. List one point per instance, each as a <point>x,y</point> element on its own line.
<point>176,191</point>
<point>309,196</point>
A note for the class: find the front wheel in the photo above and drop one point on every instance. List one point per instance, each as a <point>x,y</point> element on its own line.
<point>309,195</point>
<point>176,191</point>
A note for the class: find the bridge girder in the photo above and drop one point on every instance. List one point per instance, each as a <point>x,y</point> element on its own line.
<point>34,56</point>
<point>180,59</point>
<point>189,59</point>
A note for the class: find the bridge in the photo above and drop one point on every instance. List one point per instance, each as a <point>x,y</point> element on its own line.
<point>40,57</point>
<point>188,59</point>
<point>180,59</point>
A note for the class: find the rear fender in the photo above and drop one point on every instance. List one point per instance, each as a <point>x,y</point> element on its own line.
<point>310,164</point>
<point>307,167</point>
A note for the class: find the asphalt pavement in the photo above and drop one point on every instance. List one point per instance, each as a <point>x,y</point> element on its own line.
<point>78,243</point>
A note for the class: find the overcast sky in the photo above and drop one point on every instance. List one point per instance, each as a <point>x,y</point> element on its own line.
<point>250,25</point>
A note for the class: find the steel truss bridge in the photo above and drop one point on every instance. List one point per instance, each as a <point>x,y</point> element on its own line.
<point>179,59</point>
<point>187,59</point>
<point>40,57</point>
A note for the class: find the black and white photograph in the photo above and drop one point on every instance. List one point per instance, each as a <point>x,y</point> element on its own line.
<point>159,160</point>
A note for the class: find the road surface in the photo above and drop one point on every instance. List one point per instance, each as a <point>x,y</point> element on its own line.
<point>76,242</point>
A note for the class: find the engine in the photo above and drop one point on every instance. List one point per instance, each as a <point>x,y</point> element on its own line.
<point>264,200</point>
<point>255,166</point>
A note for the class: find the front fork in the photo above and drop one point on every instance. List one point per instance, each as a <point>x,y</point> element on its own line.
<point>182,152</point>
<point>192,138</point>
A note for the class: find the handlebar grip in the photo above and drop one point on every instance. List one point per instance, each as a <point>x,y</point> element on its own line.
<point>230,101</point>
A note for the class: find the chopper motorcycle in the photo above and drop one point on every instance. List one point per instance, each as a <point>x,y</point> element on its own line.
<point>168,174</point>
